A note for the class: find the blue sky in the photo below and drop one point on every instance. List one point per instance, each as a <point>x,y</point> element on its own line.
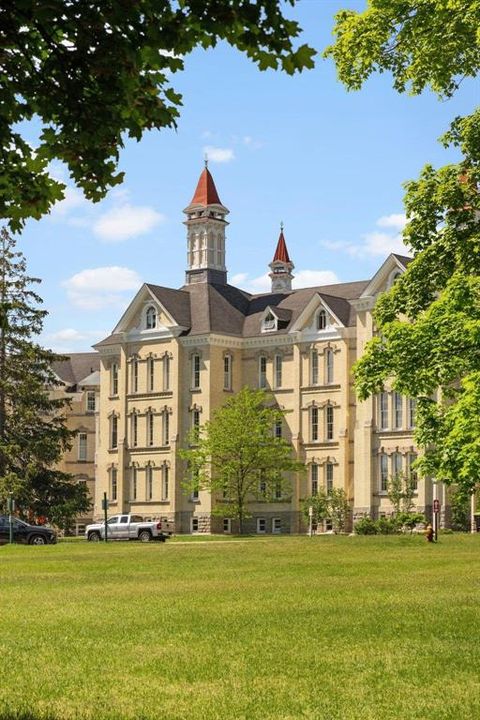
<point>302,150</point>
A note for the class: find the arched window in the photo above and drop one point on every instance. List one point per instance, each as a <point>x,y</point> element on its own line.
<point>150,318</point>
<point>321,320</point>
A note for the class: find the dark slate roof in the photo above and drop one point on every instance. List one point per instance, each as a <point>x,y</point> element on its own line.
<point>175,302</point>
<point>76,367</point>
<point>335,296</point>
<point>206,307</point>
<point>404,259</point>
<point>114,339</point>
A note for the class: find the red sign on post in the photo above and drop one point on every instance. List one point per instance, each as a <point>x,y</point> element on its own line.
<point>436,506</point>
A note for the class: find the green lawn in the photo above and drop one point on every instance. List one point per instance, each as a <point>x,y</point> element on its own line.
<point>328,627</point>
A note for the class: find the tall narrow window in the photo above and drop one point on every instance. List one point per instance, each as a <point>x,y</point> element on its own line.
<point>314,478</point>
<point>383,410</point>
<point>397,411</point>
<point>114,432</point>
<point>227,372</point>
<point>113,484</point>
<point>396,463</point>
<point>149,482</point>
<point>278,491</point>
<point>329,366</point>
<point>195,423</point>
<point>114,379</point>
<point>277,431</point>
<point>278,371</point>
<point>321,320</point>
<point>166,372</point>
<point>151,318</point>
<point>91,405</point>
<point>262,485</point>
<point>195,371</point>
<point>314,424</point>
<point>150,426</point>
<point>135,375</point>
<point>134,429</point>
<point>329,477</point>
<point>150,374</point>
<point>165,482</point>
<point>314,367</point>
<point>82,447</point>
<point>412,412</point>
<point>412,457</point>
<point>329,422</point>
<point>195,483</point>
<point>133,483</point>
<point>383,472</point>
<point>262,372</point>
<point>165,427</point>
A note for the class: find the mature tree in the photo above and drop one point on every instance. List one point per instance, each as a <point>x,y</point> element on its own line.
<point>238,456</point>
<point>33,434</point>
<point>93,73</point>
<point>429,322</point>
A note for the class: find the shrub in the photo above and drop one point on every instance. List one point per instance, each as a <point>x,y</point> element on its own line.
<point>387,526</point>
<point>366,526</point>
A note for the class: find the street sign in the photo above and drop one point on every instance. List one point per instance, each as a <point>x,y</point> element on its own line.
<point>436,506</point>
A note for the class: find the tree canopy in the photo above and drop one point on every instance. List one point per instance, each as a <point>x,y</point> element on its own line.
<point>93,73</point>
<point>239,456</point>
<point>428,344</point>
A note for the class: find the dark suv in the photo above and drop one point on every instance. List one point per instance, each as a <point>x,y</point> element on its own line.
<point>24,533</point>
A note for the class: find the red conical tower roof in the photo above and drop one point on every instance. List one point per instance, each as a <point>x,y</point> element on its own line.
<point>206,192</point>
<point>281,253</point>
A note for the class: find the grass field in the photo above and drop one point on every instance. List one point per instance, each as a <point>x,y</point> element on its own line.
<point>328,627</point>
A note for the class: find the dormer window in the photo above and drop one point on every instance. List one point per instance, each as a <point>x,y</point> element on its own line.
<point>321,320</point>
<point>151,318</point>
<point>269,322</point>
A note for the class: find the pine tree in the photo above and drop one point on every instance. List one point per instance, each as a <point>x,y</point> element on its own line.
<point>33,431</point>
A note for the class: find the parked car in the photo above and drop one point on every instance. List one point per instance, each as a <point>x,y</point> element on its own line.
<point>129,527</point>
<point>25,533</point>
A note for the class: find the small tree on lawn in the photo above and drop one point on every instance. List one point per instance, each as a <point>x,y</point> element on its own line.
<point>237,454</point>
<point>33,433</point>
<point>401,490</point>
<point>319,505</point>
<point>339,509</point>
<point>332,506</point>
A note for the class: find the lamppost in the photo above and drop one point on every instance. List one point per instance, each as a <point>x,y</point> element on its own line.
<point>10,508</point>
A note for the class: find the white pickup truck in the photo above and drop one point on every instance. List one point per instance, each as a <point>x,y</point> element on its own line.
<point>129,527</point>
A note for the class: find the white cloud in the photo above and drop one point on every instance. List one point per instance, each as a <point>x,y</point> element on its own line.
<point>97,288</point>
<point>70,340</point>
<point>126,221</point>
<point>251,142</point>
<point>74,198</point>
<point>303,278</point>
<point>218,155</point>
<point>397,221</point>
<point>376,243</point>
<point>311,278</point>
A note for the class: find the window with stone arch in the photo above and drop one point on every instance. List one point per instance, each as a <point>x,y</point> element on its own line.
<point>321,320</point>
<point>151,318</point>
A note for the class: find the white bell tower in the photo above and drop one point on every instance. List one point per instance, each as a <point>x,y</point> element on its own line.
<point>206,227</point>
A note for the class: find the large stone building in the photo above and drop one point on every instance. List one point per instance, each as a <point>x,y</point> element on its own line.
<point>176,355</point>
<point>79,382</point>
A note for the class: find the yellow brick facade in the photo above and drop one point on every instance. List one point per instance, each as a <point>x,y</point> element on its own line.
<point>207,341</point>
